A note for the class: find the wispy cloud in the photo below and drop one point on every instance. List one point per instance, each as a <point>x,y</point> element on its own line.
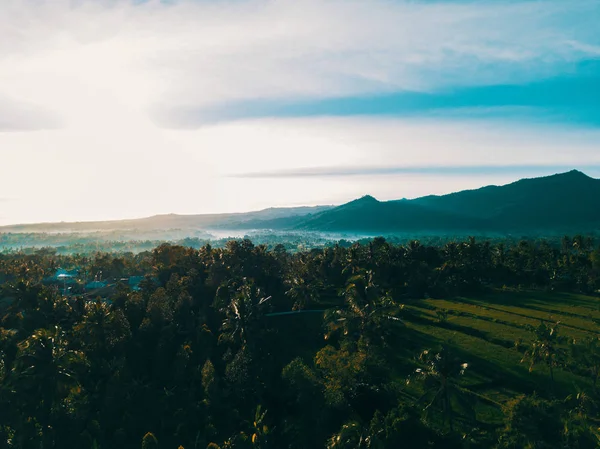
<point>110,60</point>
<point>99,89</point>
<point>446,170</point>
<point>572,98</point>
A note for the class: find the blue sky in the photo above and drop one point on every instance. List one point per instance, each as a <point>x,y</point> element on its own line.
<point>571,97</point>
<point>194,106</point>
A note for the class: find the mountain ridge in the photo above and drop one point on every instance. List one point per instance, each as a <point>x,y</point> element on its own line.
<point>561,202</point>
<point>159,221</point>
<point>566,201</point>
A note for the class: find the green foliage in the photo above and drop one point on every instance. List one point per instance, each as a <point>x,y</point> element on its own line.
<point>260,431</point>
<point>586,355</point>
<point>350,436</point>
<point>578,430</point>
<point>544,349</point>
<point>206,340</point>
<point>149,441</point>
<point>439,376</point>
<point>442,315</point>
<point>209,380</point>
<point>531,422</point>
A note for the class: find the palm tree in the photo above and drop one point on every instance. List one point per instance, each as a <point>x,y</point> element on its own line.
<point>46,367</point>
<point>260,431</point>
<point>439,375</point>
<point>101,328</point>
<point>352,262</point>
<point>367,312</point>
<point>452,252</point>
<point>149,441</point>
<point>544,348</point>
<point>302,290</point>
<point>567,244</point>
<point>586,353</point>
<point>353,435</point>
<point>242,314</point>
<point>578,430</point>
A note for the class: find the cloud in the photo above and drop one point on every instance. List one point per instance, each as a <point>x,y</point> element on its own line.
<point>447,170</point>
<point>335,50</point>
<point>20,116</point>
<point>122,78</point>
<point>569,98</point>
<point>343,145</point>
<point>110,60</point>
<point>69,174</point>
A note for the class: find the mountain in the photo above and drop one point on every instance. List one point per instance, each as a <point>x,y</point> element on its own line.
<point>174,221</point>
<point>563,201</point>
<point>566,202</point>
<point>369,215</point>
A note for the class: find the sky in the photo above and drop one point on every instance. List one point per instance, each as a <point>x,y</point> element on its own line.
<point>121,109</point>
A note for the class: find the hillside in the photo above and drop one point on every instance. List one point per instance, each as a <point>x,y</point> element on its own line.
<point>558,203</point>
<point>369,215</point>
<point>562,203</point>
<point>568,200</point>
<point>172,221</point>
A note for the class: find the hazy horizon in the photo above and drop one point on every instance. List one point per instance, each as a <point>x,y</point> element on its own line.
<point>310,174</point>
<point>116,109</point>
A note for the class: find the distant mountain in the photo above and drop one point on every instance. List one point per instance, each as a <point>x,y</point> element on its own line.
<point>174,221</point>
<point>371,216</point>
<point>566,202</point>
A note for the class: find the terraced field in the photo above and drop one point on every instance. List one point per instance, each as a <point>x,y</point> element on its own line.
<point>484,332</point>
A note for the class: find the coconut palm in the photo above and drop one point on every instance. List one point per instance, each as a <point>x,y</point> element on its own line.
<point>544,349</point>
<point>368,312</point>
<point>586,353</point>
<point>439,375</point>
<point>578,429</point>
<point>243,312</point>
<point>352,435</point>
<point>260,430</point>
<point>302,290</point>
<point>46,368</point>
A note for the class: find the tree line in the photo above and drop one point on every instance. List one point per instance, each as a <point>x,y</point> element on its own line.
<point>254,347</point>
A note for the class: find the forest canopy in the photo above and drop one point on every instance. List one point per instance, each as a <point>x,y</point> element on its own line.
<point>372,344</point>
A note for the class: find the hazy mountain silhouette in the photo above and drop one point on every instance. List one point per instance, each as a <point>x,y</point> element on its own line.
<point>369,215</point>
<point>563,202</point>
<point>172,221</point>
<point>570,200</point>
<point>566,202</point>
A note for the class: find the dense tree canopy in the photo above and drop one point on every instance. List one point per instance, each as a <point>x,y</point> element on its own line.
<point>248,346</point>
